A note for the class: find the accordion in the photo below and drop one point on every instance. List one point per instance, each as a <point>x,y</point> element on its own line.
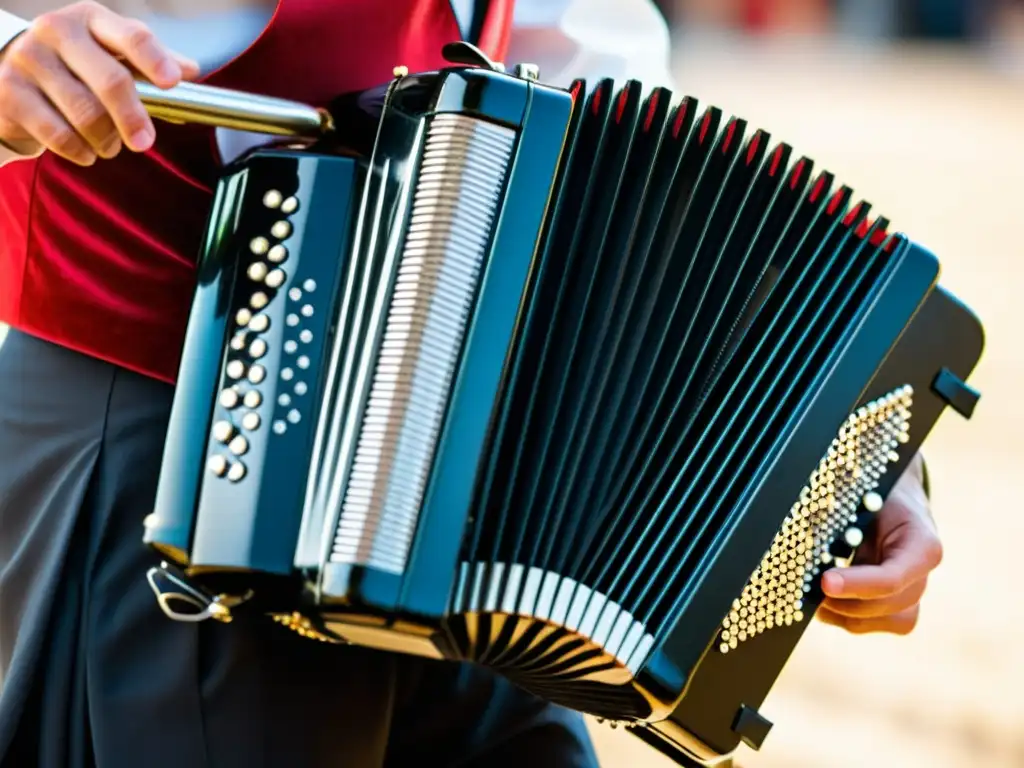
<point>588,386</point>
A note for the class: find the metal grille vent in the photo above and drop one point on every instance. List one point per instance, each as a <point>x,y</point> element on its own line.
<point>457,197</point>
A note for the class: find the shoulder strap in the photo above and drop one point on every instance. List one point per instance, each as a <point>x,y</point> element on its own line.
<point>474,17</point>
<point>467,12</point>
<point>481,13</point>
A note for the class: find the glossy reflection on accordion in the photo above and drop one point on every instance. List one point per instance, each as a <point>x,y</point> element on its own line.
<point>585,386</point>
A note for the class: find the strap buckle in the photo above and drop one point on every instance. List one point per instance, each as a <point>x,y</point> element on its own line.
<point>184,602</point>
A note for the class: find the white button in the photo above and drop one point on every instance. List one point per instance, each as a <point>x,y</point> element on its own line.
<point>277,255</point>
<point>873,502</point>
<point>257,374</point>
<point>259,300</point>
<point>243,317</point>
<point>307,310</point>
<point>223,431</point>
<point>273,199</point>
<point>281,229</point>
<point>237,472</point>
<point>258,348</point>
<point>276,278</point>
<point>239,446</point>
<point>229,398</point>
<point>309,285</point>
<point>259,324</point>
<point>238,342</point>
<point>291,205</point>
<point>295,294</point>
<point>236,369</point>
<point>257,271</point>
<point>291,347</point>
<point>259,245</point>
<point>251,422</point>
<point>253,399</point>
<point>218,465</point>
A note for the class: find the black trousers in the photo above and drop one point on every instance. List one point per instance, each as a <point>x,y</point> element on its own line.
<point>95,675</point>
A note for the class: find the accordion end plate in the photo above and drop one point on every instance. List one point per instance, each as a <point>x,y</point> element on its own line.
<point>825,526</point>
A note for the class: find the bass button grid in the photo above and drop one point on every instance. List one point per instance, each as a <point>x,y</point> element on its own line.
<point>297,362</point>
<point>241,395</point>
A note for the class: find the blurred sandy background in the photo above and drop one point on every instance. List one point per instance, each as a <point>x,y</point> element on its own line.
<point>932,133</point>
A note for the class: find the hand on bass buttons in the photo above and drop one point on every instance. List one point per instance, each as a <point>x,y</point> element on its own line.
<point>67,84</point>
<point>883,591</point>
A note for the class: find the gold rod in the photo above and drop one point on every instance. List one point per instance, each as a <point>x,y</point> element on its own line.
<point>223,108</point>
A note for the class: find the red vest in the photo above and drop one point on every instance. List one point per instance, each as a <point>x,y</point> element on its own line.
<point>102,259</point>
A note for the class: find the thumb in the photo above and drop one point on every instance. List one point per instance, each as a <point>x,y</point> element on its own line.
<point>907,553</point>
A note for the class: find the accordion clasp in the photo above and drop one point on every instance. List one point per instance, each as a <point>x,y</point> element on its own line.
<point>183,602</point>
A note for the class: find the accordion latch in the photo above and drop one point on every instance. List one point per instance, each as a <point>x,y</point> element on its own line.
<point>469,55</point>
<point>184,602</point>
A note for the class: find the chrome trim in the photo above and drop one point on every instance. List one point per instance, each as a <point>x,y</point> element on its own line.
<point>223,108</point>
<point>456,200</point>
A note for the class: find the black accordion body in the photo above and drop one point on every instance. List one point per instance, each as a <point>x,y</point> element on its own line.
<point>585,386</point>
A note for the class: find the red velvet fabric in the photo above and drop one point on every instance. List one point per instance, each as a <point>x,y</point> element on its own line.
<point>102,259</point>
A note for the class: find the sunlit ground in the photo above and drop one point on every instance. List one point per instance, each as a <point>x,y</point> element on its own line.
<point>934,141</point>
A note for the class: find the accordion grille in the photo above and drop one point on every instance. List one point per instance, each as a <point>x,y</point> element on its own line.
<point>456,199</point>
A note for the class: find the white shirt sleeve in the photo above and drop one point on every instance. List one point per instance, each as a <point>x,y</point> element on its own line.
<point>10,27</point>
<point>593,40</point>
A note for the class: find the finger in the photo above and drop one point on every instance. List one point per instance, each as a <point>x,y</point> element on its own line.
<point>902,623</point>
<point>886,606</point>
<point>140,48</point>
<point>909,560</point>
<point>80,108</point>
<point>43,122</point>
<point>113,85</point>
<point>190,69</point>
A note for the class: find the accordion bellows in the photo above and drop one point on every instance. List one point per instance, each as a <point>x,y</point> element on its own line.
<point>586,387</point>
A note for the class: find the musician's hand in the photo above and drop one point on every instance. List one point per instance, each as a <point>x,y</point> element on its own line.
<point>883,590</point>
<point>67,84</point>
